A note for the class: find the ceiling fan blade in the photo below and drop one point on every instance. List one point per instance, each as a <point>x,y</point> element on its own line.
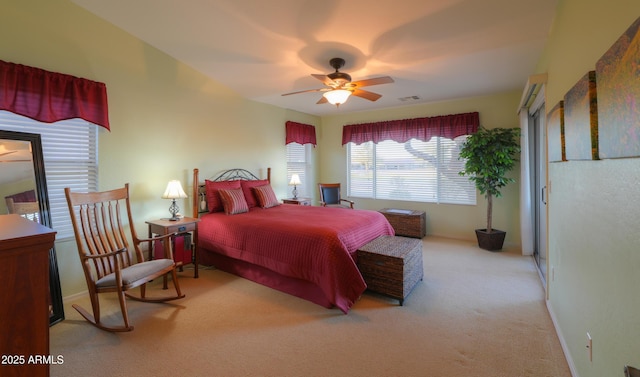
<point>373,81</point>
<point>340,80</point>
<point>325,79</point>
<point>304,91</point>
<point>366,95</point>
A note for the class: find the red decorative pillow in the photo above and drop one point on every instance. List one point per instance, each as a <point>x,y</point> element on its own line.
<point>233,201</point>
<point>248,192</point>
<point>266,197</point>
<point>213,197</point>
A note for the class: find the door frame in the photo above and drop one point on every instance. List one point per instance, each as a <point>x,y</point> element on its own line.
<point>539,175</point>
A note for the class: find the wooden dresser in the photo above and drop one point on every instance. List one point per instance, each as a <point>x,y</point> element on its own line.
<point>24,313</point>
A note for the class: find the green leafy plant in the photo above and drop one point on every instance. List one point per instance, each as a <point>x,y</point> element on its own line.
<point>490,154</point>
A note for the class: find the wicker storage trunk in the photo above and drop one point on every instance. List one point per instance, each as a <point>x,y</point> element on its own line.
<point>406,222</point>
<point>391,265</point>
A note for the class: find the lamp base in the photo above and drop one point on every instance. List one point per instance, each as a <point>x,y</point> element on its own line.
<point>174,209</point>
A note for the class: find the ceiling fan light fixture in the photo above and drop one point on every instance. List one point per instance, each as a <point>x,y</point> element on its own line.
<point>337,96</point>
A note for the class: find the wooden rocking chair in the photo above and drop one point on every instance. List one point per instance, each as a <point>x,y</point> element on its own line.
<point>106,258</point>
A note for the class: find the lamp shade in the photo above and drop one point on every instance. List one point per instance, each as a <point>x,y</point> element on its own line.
<point>295,180</point>
<point>174,191</point>
<point>337,96</point>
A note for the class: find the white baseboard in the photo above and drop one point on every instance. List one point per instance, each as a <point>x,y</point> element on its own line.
<point>563,343</point>
<point>75,296</point>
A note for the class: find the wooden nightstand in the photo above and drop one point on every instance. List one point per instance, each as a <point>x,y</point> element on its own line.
<point>298,201</point>
<point>184,225</point>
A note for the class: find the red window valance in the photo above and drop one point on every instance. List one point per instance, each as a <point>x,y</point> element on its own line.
<point>300,133</point>
<point>49,97</point>
<point>449,126</point>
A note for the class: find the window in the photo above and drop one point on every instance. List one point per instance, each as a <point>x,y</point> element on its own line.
<point>70,157</point>
<point>412,171</point>
<point>298,163</point>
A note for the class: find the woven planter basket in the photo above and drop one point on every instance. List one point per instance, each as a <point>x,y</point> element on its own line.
<point>490,241</point>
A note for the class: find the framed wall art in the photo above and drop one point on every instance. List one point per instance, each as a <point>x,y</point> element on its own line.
<point>555,133</point>
<point>581,119</point>
<point>618,79</point>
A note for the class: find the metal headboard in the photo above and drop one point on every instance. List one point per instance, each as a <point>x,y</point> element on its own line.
<point>199,190</point>
<point>236,175</point>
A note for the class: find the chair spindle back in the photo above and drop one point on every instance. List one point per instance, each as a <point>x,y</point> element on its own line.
<point>97,220</point>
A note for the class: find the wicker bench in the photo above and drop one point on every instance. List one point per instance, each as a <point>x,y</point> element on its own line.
<point>391,265</point>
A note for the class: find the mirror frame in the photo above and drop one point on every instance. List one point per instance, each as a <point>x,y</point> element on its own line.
<point>55,292</point>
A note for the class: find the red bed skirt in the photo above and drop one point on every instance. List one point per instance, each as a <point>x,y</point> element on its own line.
<point>296,287</point>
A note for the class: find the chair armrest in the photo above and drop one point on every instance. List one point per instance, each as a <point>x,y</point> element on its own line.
<point>110,255</point>
<point>155,238</point>
<point>351,202</point>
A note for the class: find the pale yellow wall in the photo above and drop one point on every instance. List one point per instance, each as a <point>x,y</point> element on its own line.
<point>166,118</point>
<point>454,221</point>
<point>594,211</point>
<point>14,188</point>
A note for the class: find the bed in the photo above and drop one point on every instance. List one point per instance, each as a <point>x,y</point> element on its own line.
<point>309,252</point>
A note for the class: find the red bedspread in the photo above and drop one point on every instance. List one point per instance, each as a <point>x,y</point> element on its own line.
<point>314,244</point>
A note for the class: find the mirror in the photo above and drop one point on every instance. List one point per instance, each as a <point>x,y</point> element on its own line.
<point>23,190</point>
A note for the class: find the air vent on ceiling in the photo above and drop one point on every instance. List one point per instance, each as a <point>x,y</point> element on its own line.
<point>409,98</point>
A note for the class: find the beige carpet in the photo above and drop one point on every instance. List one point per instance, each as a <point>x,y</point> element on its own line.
<point>476,313</point>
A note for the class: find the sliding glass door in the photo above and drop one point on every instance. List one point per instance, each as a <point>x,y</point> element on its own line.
<point>538,160</point>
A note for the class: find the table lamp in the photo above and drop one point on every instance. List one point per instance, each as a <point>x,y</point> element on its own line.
<point>174,191</point>
<point>295,180</point>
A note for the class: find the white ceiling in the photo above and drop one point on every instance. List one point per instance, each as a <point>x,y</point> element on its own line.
<point>16,163</point>
<point>433,49</point>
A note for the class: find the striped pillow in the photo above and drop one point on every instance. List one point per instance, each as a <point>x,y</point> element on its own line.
<point>214,202</point>
<point>266,197</point>
<point>233,201</point>
<point>247,187</point>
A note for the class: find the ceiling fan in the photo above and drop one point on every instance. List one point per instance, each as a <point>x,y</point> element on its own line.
<point>339,85</point>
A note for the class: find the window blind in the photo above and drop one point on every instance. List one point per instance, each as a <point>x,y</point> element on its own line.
<point>411,171</point>
<point>297,163</point>
<point>70,158</point>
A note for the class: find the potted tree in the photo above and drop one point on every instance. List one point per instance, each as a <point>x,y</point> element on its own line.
<point>490,154</point>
